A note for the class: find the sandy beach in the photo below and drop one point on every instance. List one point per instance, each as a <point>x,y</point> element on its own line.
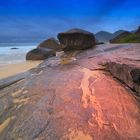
<point>13,69</point>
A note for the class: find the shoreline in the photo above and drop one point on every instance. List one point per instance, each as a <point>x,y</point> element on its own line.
<point>9,70</point>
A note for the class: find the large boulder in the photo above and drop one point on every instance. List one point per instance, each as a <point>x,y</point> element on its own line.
<point>50,43</point>
<point>40,54</point>
<point>76,39</point>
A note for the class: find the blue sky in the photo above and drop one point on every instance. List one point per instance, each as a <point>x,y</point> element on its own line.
<point>48,17</point>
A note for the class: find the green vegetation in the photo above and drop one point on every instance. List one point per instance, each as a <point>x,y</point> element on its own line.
<point>133,38</point>
<point>127,37</point>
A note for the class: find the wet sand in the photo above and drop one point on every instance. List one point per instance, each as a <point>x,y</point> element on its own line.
<point>13,69</point>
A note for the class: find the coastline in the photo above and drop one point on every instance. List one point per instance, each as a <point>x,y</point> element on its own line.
<point>14,69</point>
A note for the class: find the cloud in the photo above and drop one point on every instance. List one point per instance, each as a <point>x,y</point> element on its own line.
<point>47,18</point>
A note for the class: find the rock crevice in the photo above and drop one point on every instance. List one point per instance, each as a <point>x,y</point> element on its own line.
<point>126,73</point>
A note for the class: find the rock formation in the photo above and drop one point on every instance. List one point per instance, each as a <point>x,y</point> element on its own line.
<point>40,54</point>
<point>50,43</point>
<point>138,30</point>
<point>86,95</point>
<point>14,48</point>
<point>127,37</point>
<point>44,50</point>
<point>119,38</point>
<point>76,39</point>
<point>127,71</point>
<point>104,36</point>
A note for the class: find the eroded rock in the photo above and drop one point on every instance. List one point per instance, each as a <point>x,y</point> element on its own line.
<point>135,73</point>
<point>74,100</point>
<point>40,54</point>
<point>76,39</point>
<point>138,30</point>
<point>50,43</point>
<point>126,72</point>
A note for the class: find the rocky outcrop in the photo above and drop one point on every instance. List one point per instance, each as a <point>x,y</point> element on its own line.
<point>50,43</point>
<point>104,36</point>
<point>127,73</point>
<point>14,48</point>
<point>127,37</point>
<point>76,39</point>
<point>119,38</point>
<point>138,30</point>
<point>75,96</point>
<point>13,79</point>
<point>40,54</point>
<point>44,50</point>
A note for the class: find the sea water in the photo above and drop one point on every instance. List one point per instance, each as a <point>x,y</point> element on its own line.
<point>13,56</point>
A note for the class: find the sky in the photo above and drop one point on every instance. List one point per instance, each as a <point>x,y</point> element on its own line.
<point>48,17</point>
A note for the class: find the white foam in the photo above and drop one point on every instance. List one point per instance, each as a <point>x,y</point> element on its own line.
<point>11,56</point>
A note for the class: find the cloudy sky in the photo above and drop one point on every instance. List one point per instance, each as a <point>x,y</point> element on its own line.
<point>48,17</point>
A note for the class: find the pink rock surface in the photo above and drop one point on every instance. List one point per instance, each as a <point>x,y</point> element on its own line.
<point>73,97</point>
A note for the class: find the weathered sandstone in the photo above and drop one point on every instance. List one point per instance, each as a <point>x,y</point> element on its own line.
<point>75,96</point>
<point>50,43</point>
<point>40,54</point>
<point>76,39</point>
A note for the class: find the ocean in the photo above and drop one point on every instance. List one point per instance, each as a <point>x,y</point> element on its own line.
<point>13,56</point>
